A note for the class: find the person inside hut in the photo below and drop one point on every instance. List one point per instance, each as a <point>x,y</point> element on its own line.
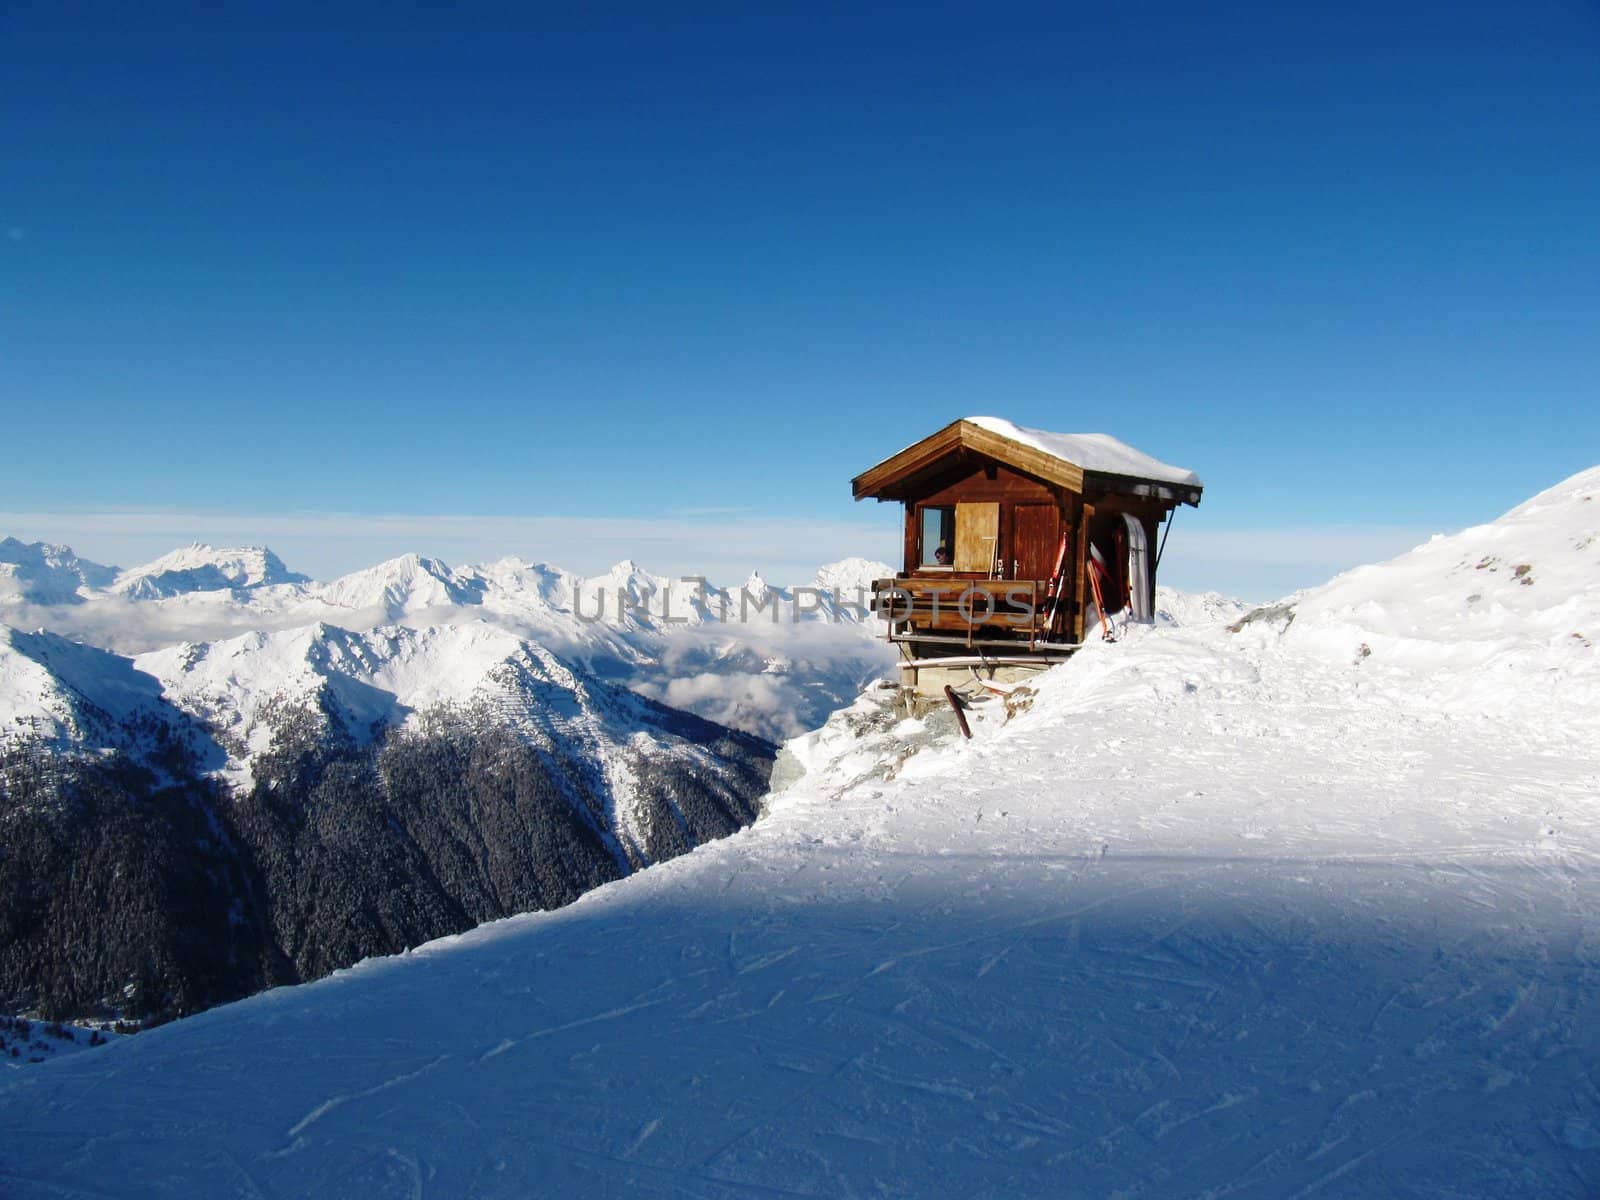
<point>941,556</point>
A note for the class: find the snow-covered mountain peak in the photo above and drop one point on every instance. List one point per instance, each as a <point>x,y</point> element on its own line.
<point>1175,608</point>
<point>515,567</point>
<point>203,568</point>
<point>403,585</point>
<point>850,575</point>
<point>1568,499</point>
<point>45,573</point>
<point>630,597</point>
<point>631,577</point>
<point>72,695</point>
<point>360,682</point>
<point>628,623</point>
<point>1478,617</point>
<point>354,687</point>
<point>1306,926</point>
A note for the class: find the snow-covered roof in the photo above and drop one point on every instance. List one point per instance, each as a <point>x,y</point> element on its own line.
<point>1099,452</point>
<point>1063,459</point>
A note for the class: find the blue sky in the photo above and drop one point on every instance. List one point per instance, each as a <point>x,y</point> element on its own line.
<point>354,280</point>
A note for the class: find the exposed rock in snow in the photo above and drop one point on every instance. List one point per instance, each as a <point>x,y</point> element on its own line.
<point>1502,615</point>
<point>1219,913</point>
<point>363,684</point>
<point>70,696</point>
<point>384,787</point>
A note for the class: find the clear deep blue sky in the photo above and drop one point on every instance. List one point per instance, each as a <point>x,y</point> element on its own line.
<point>1342,260</point>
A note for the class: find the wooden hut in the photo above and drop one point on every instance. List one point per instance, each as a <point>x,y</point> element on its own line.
<point>1014,538</point>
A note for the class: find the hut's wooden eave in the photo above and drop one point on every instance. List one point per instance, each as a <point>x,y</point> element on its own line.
<point>1045,456</point>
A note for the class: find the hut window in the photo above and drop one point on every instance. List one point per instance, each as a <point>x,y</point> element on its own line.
<point>938,532</point>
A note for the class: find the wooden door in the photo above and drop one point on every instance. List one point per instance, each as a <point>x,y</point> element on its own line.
<point>1035,540</point>
<point>977,531</point>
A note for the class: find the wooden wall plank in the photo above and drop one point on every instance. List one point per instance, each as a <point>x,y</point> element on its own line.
<point>977,530</point>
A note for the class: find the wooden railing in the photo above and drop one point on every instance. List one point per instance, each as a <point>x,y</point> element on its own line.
<point>1017,609</point>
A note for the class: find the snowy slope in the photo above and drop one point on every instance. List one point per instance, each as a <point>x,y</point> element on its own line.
<point>402,585</point>
<point>1500,616</point>
<point>71,696</point>
<point>381,789</point>
<point>1211,914</point>
<point>361,684</point>
<point>202,568</point>
<point>44,573</point>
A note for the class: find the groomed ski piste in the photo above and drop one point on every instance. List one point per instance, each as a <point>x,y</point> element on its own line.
<point>1303,909</point>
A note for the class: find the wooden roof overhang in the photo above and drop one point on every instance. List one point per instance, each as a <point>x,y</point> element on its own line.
<point>906,475</point>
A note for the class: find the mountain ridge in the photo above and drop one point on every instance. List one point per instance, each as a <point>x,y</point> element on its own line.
<point>1227,906</point>
<point>267,718</point>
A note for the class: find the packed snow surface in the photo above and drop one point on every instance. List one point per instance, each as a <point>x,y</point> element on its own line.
<point>1502,616</point>
<point>1092,451</point>
<point>1213,914</point>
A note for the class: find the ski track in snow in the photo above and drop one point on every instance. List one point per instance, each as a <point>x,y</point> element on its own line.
<point>1244,958</point>
<point>1220,915</point>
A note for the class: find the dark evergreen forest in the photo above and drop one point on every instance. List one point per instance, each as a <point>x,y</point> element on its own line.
<point>148,890</point>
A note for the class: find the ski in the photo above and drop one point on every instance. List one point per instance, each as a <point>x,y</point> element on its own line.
<point>1097,568</point>
<point>1057,580</point>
